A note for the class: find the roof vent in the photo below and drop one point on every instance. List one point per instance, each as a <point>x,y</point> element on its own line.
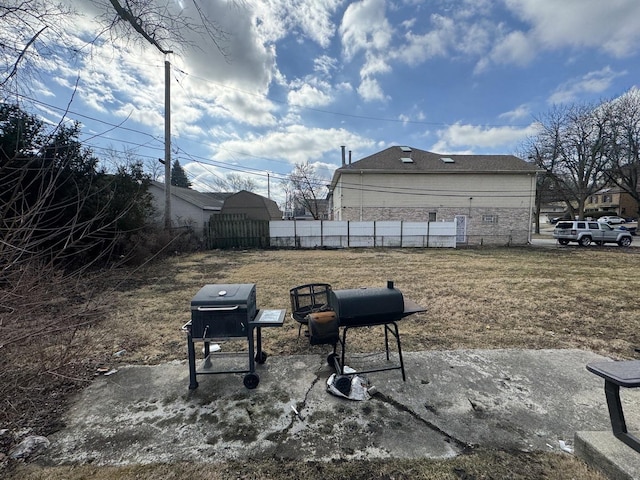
<point>406,149</point>
<point>406,160</point>
<point>447,160</point>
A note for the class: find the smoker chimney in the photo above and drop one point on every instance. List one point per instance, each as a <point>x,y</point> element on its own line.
<point>349,157</point>
<point>343,147</point>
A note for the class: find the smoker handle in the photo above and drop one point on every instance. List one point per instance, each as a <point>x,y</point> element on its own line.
<point>218,309</point>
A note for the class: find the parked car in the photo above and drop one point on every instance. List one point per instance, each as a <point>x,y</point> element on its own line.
<point>585,232</point>
<point>612,220</point>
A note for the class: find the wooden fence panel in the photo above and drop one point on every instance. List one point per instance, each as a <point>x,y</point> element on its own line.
<point>236,231</point>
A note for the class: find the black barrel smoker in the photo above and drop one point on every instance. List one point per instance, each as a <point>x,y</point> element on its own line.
<point>354,308</point>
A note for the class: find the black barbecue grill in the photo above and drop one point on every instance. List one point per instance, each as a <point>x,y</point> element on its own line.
<point>361,307</point>
<point>228,311</point>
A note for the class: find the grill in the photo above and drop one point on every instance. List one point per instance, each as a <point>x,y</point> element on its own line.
<point>223,310</point>
<point>362,307</point>
<point>227,311</point>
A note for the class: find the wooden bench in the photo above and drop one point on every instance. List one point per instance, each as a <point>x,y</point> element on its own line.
<point>618,374</point>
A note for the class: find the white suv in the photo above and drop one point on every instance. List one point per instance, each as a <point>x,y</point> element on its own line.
<point>585,232</point>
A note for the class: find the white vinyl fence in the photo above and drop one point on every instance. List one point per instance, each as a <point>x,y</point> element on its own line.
<point>324,233</point>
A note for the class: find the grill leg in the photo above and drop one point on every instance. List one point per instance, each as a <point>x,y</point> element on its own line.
<point>207,352</point>
<point>191,353</point>
<point>252,360</point>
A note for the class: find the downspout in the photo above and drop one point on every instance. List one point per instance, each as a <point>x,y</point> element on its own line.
<point>361,196</point>
<point>531,200</point>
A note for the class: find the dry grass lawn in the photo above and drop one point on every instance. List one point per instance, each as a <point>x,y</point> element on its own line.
<point>476,298</point>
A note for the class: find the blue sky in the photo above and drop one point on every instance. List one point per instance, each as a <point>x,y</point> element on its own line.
<point>303,77</point>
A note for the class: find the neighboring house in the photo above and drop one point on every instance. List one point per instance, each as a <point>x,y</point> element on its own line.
<point>612,200</point>
<point>491,197</point>
<point>302,212</point>
<point>188,207</point>
<point>254,206</point>
<point>194,209</point>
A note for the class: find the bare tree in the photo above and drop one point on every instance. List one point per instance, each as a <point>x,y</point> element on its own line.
<point>623,146</point>
<point>22,24</point>
<point>235,182</point>
<point>308,189</point>
<point>570,148</point>
<point>162,24</point>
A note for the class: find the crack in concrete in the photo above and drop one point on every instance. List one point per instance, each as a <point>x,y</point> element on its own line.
<point>464,446</point>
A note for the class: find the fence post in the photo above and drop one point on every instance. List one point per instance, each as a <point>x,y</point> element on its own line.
<point>374,233</point>
<point>428,228</point>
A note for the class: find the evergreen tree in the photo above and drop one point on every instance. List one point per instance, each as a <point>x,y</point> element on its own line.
<point>178,176</point>
<point>56,203</point>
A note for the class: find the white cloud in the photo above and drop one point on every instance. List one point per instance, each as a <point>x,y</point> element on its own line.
<point>419,48</point>
<point>293,144</point>
<point>590,83</point>
<point>370,90</point>
<point>307,95</point>
<point>517,113</point>
<point>611,26</point>
<point>474,138</point>
<point>277,18</point>
<point>365,28</point>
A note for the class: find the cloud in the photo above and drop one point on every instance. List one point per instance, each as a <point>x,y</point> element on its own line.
<point>519,112</point>
<point>293,144</point>
<point>275,19</point>
<point>610,26</point>
<point>365,28</point>
<point>370,90</point>
<point>307,95</point>
<point>421,47</point>
<point>473,137</point>
<point>593,82</point>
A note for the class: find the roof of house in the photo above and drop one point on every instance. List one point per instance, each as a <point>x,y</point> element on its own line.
<point>204,200</point>
<point>269,205</point>
<point>401,159</point>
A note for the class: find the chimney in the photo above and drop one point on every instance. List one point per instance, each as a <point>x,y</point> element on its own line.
<point>349,157</point>
<point>343,147</point>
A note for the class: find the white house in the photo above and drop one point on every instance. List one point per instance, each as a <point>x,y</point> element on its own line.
<point>491,197</point>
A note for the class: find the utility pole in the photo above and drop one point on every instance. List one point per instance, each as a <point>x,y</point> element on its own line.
<point>167,141</point>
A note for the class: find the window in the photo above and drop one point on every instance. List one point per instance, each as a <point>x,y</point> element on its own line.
<point>489,219</point>
<point>606,198</point>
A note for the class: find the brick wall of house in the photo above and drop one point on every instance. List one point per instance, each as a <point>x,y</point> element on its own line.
<point>511,226</point>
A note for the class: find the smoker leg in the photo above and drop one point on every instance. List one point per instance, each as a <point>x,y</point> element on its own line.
<point>344,349</point>
<point>386,339</point>
<point>191,353</point>
<point>396,333</point>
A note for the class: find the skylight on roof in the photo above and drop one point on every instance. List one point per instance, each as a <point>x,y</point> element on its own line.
<point>406,149</point>
<point>406,160</point>
<point>447,160</point>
